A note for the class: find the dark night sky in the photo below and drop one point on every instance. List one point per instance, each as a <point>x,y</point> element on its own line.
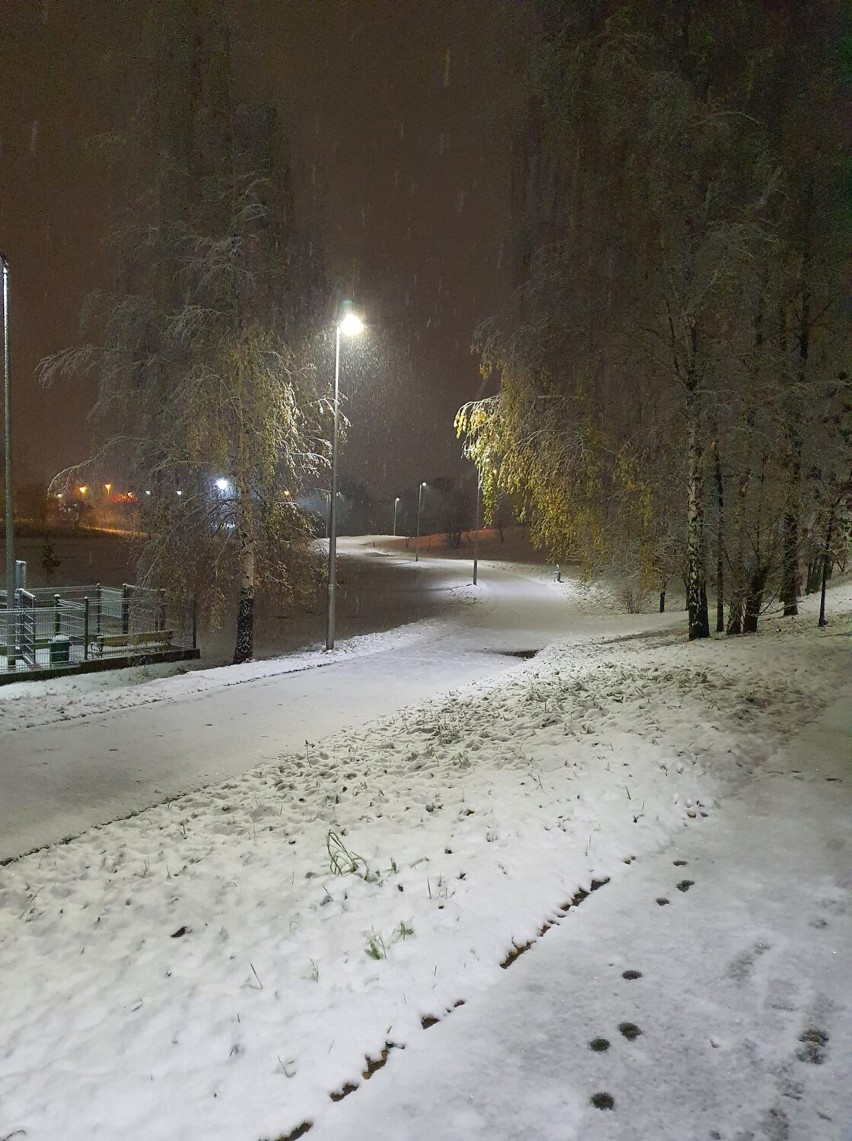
<point>400,114</point>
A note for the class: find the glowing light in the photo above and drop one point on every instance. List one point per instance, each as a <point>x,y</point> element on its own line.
<point>351,325</point>
<point>223,484</point>
<point>83,489</point>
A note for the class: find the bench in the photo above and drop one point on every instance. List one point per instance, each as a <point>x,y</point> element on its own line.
<point>145,639</point>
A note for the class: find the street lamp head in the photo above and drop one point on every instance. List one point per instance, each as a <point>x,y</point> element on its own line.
<point>351,324</point>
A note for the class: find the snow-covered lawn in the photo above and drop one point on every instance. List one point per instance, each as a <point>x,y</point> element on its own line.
<point>225,965</point>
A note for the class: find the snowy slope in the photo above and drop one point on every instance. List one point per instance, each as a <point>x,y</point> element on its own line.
<point>221,965</point>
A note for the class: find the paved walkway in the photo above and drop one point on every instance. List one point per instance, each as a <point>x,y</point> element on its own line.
<point>58,779</point>
<point>742,996</point>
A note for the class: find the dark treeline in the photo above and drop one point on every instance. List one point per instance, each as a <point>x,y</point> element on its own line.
<point>674,398</point>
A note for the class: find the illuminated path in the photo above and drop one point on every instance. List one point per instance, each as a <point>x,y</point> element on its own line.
<point>60,778</point>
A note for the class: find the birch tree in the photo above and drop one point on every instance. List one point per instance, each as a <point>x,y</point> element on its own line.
<point>664,324</point>
<point>199,347</point>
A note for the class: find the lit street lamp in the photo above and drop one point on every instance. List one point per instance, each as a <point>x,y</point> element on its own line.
<point>7,445</point>
<point>350,325</point>
<point>395,513</point>
<point>419,507</point>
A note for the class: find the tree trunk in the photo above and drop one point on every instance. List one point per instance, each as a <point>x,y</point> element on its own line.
<point>735,614</point>
<point>720,540</point>
<point>826,565</point>
<point>814,577</point>
<point>696,586</point>
<point>244,648</point>
<point>662,602</point>
<point>754,598</point>
<point>790,575</point>
<point>790,564</point>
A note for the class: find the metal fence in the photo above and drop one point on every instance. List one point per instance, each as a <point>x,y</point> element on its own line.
<point>48,629</point>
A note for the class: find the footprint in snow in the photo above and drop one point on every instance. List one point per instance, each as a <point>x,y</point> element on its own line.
<point>813,1046</point>
<point>602,1100</point>
<point>629,1030</point>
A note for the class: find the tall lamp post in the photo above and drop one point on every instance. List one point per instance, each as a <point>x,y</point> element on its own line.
<point>350,324</point>
<point>395,513</point>
<point>476,525</point>
<point>7,446</point>
<point>419,507</point>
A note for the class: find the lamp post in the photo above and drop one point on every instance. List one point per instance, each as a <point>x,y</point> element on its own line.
<point>7,446</point>
<point>419,507</point>
<point>476,525</point>
<point>395,513</point>
<point>350,325</point>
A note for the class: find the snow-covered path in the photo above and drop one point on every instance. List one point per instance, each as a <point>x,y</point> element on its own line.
<point>701,993</point>
<point>65,768</point>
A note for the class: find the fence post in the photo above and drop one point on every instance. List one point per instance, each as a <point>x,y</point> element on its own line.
<point>98,609</point>
<point>125,608</point>
<point>19,625</point>
<point>162,615</point>
<point>85,629</point>
<point>194,622</point>
<point>10,623</point>
<point>57,615</point>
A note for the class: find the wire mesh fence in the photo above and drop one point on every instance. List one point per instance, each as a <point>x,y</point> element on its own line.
<point>49,629</point>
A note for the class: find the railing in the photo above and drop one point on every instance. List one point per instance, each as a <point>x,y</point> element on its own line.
<point>49,630</point>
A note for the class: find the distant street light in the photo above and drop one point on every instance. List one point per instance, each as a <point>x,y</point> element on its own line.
<point>350,324</point>
<point>7,446</point>
<point>395,513</point>
<point>223,484</point>
<point>419,507</point>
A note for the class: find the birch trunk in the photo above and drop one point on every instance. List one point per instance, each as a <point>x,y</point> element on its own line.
<point>720,540</point>
<point>696,585</point>
<point>244,648</point>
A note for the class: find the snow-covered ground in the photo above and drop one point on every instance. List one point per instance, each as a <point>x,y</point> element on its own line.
<point>87,749</point>
<point>229,964</point>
